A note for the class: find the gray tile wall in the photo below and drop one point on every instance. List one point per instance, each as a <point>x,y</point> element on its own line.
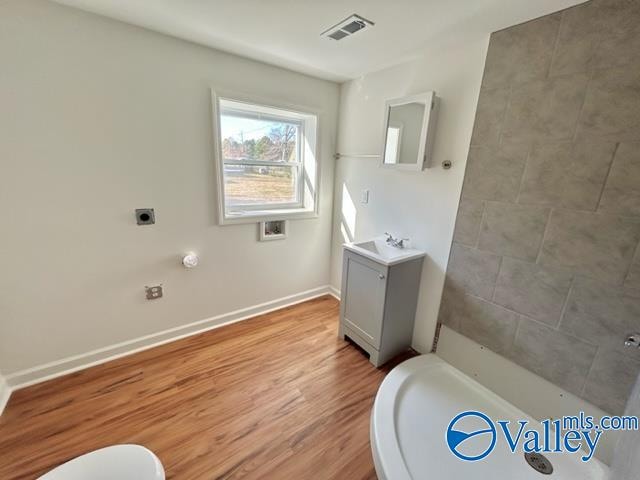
<point>545,263</point>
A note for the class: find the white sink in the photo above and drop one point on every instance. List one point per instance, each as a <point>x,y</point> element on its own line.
<point>379,251</point>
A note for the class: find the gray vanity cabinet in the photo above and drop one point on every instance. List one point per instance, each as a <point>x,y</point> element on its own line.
<point>378,304</point>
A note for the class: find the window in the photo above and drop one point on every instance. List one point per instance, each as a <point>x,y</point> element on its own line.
<point>266,162</point>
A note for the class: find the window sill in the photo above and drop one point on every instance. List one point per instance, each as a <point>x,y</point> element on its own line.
<point>267,216</point>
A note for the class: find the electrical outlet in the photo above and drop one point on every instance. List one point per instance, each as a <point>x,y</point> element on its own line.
<point>364,197</point>
<point>154,292</point>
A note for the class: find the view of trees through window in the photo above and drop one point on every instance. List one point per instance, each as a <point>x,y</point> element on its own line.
<point>278,145</point>
<point>271,143</point>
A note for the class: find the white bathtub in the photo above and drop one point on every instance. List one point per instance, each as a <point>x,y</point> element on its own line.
<point>413,408</point>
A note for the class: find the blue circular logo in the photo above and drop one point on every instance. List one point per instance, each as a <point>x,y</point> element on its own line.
<point>471,436</point>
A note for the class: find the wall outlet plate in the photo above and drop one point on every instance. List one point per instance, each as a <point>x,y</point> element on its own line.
<point>145,216</point>
<point>154,292</point>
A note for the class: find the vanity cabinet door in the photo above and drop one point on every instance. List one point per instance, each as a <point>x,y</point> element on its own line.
<point>364,286</point>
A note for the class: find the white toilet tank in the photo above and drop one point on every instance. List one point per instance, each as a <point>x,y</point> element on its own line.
<point>118,462</point>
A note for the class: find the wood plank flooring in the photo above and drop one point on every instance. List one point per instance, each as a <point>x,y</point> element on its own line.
<point>275,397</point>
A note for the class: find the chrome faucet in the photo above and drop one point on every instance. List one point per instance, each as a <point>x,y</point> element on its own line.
<point>394,242</point>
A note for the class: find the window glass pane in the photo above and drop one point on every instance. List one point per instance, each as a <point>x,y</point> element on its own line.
<point>259,185</point>
<point>254,138</point>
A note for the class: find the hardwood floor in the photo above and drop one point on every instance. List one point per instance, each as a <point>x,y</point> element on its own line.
<point>275,397</point>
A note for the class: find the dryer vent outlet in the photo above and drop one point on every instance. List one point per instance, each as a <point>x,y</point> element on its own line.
<point>145,216</point>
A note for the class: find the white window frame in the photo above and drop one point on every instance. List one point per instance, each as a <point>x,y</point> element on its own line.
<point>307,199</point>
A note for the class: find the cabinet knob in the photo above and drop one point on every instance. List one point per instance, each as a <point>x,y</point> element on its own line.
<point>381,276</point>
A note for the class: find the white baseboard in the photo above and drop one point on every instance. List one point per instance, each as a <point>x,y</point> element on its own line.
<point>5,393</point>
<point>48,371</point>
<point>334,292</point>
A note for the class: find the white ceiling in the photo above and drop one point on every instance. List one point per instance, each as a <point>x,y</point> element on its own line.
<point>287,32</point>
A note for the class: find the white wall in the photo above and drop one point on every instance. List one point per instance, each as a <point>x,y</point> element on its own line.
<point>99,118</point>
<point>421,206</point>
<point>5,393</point>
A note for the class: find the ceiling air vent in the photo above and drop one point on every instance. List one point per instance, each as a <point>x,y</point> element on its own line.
<point>347,27</point>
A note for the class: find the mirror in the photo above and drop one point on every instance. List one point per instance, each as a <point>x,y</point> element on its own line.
<point>408,123</point>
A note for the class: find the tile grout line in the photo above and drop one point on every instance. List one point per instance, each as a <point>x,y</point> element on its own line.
<point>606,178</point>
<point>521,317</point>
<point>504,116</point>
<point>636,252</point>
<point>515,334</point>
<point>555,44</point>
<point>584,102</point>
<point>482,220</point>
<point>503,255</point>
<point>507,309</point>
<point>495,284</point>
<point>544,237</point>
<point>529,318</point>
<point>524,172</point>
<point>565,305</point>
<point>586,377</point>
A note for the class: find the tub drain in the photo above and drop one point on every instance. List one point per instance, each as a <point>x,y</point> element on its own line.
<point>539,462</point>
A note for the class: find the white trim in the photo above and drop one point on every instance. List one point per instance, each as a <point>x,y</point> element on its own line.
<point>334,292</point>
<point>48,371</point>
<point>269,215</point>
<point>5,393</point>
<point>310,195</point>
<point>260,163</point>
